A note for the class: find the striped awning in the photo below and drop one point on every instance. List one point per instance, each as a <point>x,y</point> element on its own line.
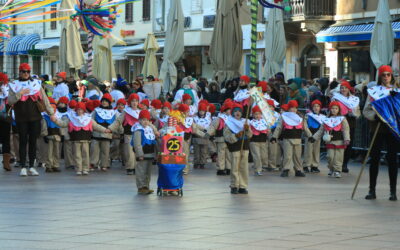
<point>13,44</point>
<point>28,43</point>
<point>351,33</point>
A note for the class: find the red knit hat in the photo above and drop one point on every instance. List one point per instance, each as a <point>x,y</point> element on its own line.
<point>144,114</point>
<point>226,106</point>
<point>3,77</point>
<point>183,108</point>
<point>271,103</point>
<point>237,105</point>
<point>229,100</point>
<point>63,99</point>
<point>80,105</point>
<point>121,101</point>
<point>202,107</point>
<point>385,68</point>
<point>157,104</point>
<point>212,108</point>
<point>72,104</point>
<point>245,78</point>
<point>293,104</point>
<point>203,101</point>
<point>285,107</point>
<point>133,97</point>
<point>63,75</point>
<point>255,109</point>
<point>107,97</point>
<point>96,103</point>
<point>24,66</point>
<point>167,105</point>
<point>346,84</point>
<point>186,97</point>
<point>316,102</point>
<point>89,106</point>
<point>334,103</point>
<point>263,85</point>
<point>51,100</point>
<point>145,102</point>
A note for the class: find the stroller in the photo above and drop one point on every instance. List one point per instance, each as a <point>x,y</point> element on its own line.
<point>170,179</point>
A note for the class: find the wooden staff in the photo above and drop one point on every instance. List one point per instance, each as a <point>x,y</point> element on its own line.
<point>365,159</point>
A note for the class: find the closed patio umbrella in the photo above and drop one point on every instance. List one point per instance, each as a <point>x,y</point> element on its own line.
<point>150,61</point>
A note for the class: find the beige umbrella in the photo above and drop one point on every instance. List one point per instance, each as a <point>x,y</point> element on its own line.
<point>71,57</point>
<point>150,61</point>
<point>226,47</point>
<point>174,46</point>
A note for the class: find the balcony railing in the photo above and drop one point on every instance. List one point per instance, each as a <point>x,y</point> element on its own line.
<point>310,10</point>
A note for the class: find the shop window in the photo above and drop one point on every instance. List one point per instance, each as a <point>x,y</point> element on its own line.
<point>129,12</point>
<point>146,10</point>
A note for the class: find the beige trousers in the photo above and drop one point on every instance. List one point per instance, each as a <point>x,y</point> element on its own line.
<point>240,170</point>
<point>224,160</point>
<point>212,147</point>
<point>81,152</point>
<point>259,151</point>
<point>129,155</point>
<point>200,153</point>
<point>312,154</point>
<point>291,155</point>
<point>41,150</point>
<point>143,173</point>
<point>335,159</point>
<point>68,156</point>
<point>53,154</point>
<point>100,153</point>
<point>272,155</point>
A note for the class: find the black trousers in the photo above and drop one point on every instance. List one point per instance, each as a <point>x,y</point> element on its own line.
<point>392,150</point>
<point>5,129</point>
<point>28,133</point>
<point>349,149</point>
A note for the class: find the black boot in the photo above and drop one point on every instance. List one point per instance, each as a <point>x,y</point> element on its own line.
<point>221,172</point>
<point>345,169</point>
<point>371,195</point>
<point>243,191</point>
<point>299,174</point>
<point>315,170</point>
<point>227,171</point>
<point>393,196</point>
<point>234,191</point>
<point>285,173</point>
<point>306,170</point>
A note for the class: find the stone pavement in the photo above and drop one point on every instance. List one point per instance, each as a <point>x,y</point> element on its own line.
<point>103,211</point>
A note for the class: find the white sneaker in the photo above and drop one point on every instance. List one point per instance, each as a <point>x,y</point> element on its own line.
<point>337,174</point>
<point>23,172</point>
<point>258,173</point>
<point>79,173</point>
<point>33,172</point>
<point>85,173</point>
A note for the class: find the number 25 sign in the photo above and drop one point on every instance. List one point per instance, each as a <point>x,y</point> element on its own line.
<point>172,144</point>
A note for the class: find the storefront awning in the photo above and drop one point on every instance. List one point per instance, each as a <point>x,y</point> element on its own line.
<point>139,47</point>
<point>351,33</point>
<point>13,44</point>
<point>48,43</point>
<point>28,43</point>
<point>118,53</point>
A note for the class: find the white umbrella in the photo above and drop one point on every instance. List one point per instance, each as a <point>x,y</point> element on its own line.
<point>174,45</point>
<point>275,43</point>
<point>382,41</point>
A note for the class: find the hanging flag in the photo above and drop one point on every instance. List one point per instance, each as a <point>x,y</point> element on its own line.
<point>388,110</point>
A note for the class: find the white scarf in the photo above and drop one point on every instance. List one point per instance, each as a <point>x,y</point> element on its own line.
<point>203,122</point>
<point>105,114</point>
<point>79,121</point>
<point>378,92</point>
<point>93,92</point>
<point>332,122</point>
<point>164,119</point>
<point>4,91</point>
<point>192,110</point>
<point>223,116</point>
<point>291,119</point>
<point>351,102</point>
<point>188,122</point>
<point>148,131</point>
<point>60,115</point>
<point>259,125</point>
<point>33,86</point>
<point>319,118</point>
<point>241,95</point>
<point>133,113</point>
<point>235,125</point>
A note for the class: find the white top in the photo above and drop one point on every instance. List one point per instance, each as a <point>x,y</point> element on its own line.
<point>60,90</point>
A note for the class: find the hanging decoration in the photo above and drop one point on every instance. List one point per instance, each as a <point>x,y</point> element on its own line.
<point>267,4</point>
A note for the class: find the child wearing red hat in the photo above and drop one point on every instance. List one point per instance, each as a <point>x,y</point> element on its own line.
<point>258,142</point>
<point>62,111</point>
<point>80,127</point>
<point>61,89</point>
<point>290,129</point>
<point>312,123</point>
<point>237,133</point>
<point>216,129</point>
<point>337,138</point>
<point>125,121</point>
<point>350,108</point>
<point>242,94</point>
<point>274,150</point>
<point>104,115</point>
<point>200,145</point>
<point>144,145</point>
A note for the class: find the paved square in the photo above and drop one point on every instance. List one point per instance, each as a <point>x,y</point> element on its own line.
<point>103,211</point>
